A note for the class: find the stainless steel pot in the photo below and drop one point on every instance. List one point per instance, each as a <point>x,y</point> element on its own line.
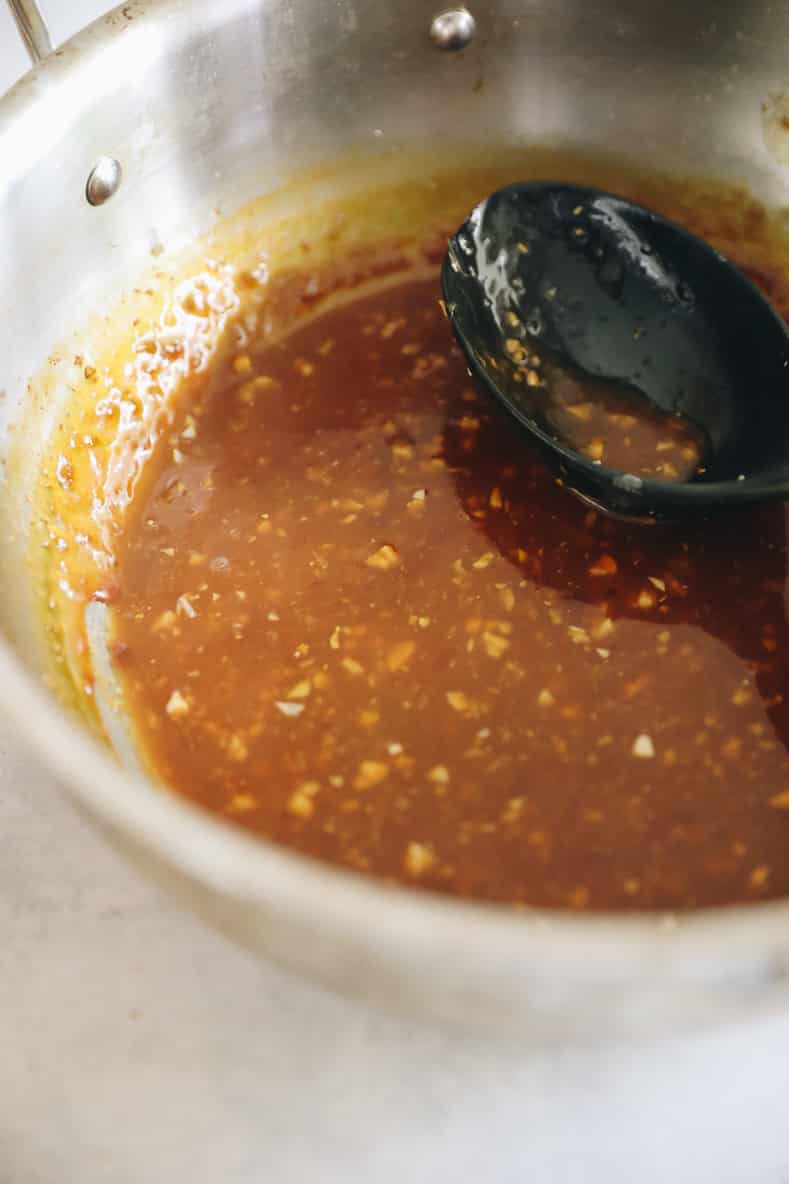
<point>204,104</point>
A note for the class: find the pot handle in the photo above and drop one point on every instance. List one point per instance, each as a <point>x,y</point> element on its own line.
<point>32,28</point>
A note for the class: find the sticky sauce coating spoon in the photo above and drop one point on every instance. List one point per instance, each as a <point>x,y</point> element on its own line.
<point>650,370</point>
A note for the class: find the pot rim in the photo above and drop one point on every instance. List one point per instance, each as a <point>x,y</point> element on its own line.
<point>409,931</point>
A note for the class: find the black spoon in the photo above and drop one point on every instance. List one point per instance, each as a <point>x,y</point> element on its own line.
<point>554,287</point>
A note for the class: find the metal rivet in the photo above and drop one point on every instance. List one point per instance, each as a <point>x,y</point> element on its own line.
<point>104,180</point>
<point>453,29</point>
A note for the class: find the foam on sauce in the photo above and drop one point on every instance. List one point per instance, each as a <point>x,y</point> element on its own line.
<point>352,612</point>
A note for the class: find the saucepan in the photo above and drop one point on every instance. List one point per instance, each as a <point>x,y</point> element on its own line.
<point>128,140</point>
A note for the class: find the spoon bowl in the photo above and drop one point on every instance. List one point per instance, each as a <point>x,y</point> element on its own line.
<point>583,312</point>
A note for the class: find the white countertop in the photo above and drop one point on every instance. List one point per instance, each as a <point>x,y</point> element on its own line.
<point>137,1047</point>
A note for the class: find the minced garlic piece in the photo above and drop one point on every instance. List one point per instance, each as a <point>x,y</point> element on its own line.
<point>184,605</point>
<point>605,565</point>
<point>165,620</point>
<point>177,706</point>
<point>604,629</point>
<point>513,810</point>
<point>400,655</point>
<point>494,645</point>
<point>643,746</point>
<point>370,773</point>
<point>301,801</point>
<point>418,859</point>
<point>240,803</point>
<point>507,598</point>
<point>385,558</point>
<point>236,748</point>
<point>291,709</point>
<point>483,561</point>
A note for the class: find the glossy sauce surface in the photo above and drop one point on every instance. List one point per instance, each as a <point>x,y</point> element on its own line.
<point>356,615</point>
<point>614,425</point>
